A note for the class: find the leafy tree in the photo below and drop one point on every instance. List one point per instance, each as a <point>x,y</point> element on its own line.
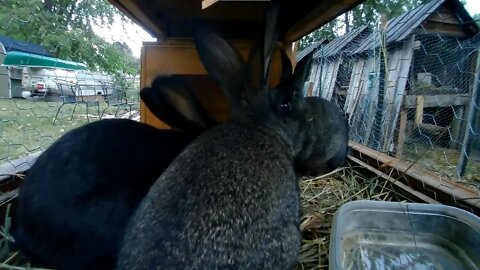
<point>367,13</point>
<point>64,27</point>
<point>476,18</point>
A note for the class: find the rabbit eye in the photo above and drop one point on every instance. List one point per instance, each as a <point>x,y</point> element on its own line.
<point>286,107</point>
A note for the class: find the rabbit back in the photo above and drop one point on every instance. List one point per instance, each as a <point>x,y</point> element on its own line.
<point>77,198</point>
<point>232,203</point>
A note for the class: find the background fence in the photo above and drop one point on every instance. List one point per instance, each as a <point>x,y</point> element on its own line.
<point>409,91</point>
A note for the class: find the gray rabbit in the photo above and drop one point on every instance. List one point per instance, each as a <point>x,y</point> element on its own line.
<point>329,139</point>
<point>230,200</point>
<point>78,197</point>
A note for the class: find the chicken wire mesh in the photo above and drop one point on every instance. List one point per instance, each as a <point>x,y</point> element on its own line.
<point>43,94</point>
<point>409,91</point>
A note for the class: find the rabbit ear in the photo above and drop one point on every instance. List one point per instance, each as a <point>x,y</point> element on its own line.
<point>302,70</point>
<point>260,56</point>
<point>222,62</point>
<point>174,103</point>
<point>286,67</point>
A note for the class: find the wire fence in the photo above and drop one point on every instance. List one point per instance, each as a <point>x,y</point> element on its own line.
<point>29,125</point>
<point>408,91</point>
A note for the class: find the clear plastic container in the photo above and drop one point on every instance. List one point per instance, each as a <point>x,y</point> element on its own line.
<point>391,235</point>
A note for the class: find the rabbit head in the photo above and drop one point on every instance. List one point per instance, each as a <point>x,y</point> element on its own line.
<point>281,108</point>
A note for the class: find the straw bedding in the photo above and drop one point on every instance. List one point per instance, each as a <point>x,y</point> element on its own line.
<point>321,197</point>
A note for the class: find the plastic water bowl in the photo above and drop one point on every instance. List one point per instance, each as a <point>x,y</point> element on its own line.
<point>392,235</point>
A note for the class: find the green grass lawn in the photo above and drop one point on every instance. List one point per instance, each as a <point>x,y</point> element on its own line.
<point>26,126</point>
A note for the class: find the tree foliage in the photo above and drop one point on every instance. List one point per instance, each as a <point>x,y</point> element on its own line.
<point>368,13</point>
<point>64,27</point>
<point>476,18</point>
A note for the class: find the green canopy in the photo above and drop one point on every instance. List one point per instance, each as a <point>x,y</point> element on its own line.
<point>32,60</point>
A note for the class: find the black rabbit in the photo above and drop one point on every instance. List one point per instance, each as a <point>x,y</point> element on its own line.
<point>231,198</point>
<point>77,198</point>
<point>329,147</point>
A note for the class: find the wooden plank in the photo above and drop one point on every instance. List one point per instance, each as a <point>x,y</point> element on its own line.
<point>17,166</point>
<point>402,131</point>
<point>354,86</point>
<point>207,3</point>
<point>180,57</point>
<point>399,90</point>
<point>442,100</point>
<point>321,14</point>
<point>332,78</point>
<point>442,17</point>
<point>444,29</point>
<point>132,10</point>
<point>419,110</point>
<point>458,127</point>
<point>425,178</point>
<point>418,195</point>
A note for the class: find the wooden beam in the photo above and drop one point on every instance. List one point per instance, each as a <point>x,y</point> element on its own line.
<point>446,191</point>
<point>138,16</point>
<point>442,17</point>
<point>17,166</point>
<point>323,13</point>
<point>402,131</point>
<point>419,110</point>
<point>445,29</point>
<point>430,101</point>
<point>417,195</point>
<point>207,3</point>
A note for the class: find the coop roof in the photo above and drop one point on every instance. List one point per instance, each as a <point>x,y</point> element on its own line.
<point>310,48</point>
<point>441,16</point>
<point>11,44</point>
<point>345,43</point>
<point>232,19</point>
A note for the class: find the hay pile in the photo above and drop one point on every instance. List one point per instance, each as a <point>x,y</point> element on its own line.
<point>321,197</point>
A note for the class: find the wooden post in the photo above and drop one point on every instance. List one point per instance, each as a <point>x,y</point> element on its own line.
<point>471,125</point>
<point>419,110</point>
<point>402,131</point>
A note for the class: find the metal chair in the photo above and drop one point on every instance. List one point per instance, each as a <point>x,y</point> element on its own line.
<point>76,94</point>
<point>119,98</point>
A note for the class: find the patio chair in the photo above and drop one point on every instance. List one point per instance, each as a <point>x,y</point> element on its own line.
<point>77,94</point>
<point>119,98</point>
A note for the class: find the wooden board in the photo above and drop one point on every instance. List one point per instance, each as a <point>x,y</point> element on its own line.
<point>180,57</point>
<point>331,77</point>
<point>419,110</point>
<point>441,100</point>
<point>445,190</point>
<point>399,63</point>
<point>234,19</point>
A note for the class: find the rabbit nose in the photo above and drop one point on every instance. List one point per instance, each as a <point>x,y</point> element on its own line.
<point>286,107</point>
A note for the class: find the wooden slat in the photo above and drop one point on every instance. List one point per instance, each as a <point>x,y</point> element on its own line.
<point>170,18</point>
<point>444,29</point>
<point>442,17</point>
<point>180,57</point>
<point>418,195</point>
<point>17,166</point>
<point>458,194</point>
<point>321,14</point>
<point>137,15</point>
<point>396,90</point>
<point>207,3</point>
<point>402,131</point>
<point>437,100</point>
<point>419,110</point>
